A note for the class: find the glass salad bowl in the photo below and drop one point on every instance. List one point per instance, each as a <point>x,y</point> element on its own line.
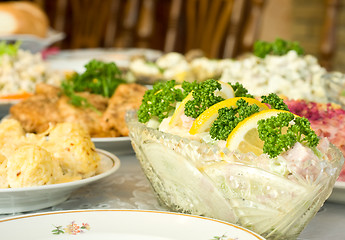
<point>202,179</point>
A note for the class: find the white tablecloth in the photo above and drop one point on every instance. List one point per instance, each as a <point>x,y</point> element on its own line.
<point>128,188</point>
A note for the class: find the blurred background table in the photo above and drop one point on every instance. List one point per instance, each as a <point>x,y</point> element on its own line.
<point>179,25</point>
<point>128,188</point>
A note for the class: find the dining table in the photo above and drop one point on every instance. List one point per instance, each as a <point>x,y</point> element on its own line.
<point>128,188</point>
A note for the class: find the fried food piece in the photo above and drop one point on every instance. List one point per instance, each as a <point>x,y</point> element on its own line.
<point>126,97</point>
<point>31,165</point>
<point>88,118</point>
<point>36,112</point>
<point>10,130</point>
<point>105,119</point>
<point>47,90</point>
<point>72,146</point>
<point>3,172</point>
<point>96,100</point>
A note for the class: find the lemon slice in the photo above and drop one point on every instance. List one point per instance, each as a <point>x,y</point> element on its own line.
<point>245,137</point>
<point>176,117</point>
<point>204,121</point>
<point>226,92</point>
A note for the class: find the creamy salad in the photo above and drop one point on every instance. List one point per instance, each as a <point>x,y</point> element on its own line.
<point>291,75</point>
<point>21,71</point>
<point>296,77</point>
<point>213,149</point>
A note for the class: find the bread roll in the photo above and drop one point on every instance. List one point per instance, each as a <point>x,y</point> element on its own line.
<point>23,18</point>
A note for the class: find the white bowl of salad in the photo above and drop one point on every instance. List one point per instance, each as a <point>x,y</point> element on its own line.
<point>212,149</point>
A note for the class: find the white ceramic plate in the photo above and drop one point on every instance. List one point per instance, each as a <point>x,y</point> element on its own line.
<point>74,60</point>
<point>122,225</point>
<point>5,107</point>
<point>14,200</point>
<point>338,193</point>
<point>117,145</point>
<point>33,43</point>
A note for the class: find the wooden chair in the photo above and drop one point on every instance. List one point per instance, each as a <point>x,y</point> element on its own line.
<point>106,23</point>
<point>220,28</point>
<point>328,36</point>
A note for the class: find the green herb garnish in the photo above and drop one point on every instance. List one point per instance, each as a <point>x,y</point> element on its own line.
<point>278,47</point>
<point>159,101</point>
<point>203,98</point>
<point>9,49</point>
<point>275,102</point>
<point>240,91</point>
<point>99,78</point>
<point>276,140</point>
<point>229,118</point>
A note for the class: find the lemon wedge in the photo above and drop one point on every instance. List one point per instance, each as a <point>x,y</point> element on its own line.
<point>204,121</point>
<point>176,117</point>
<point>226,92</point>
<point>245,137</point>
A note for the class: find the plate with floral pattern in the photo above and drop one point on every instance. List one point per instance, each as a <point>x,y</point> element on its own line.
<point>120,224</point>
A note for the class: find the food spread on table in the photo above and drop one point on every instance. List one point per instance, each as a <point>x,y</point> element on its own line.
<point>327,120</point>
<point>63,153</point>
<point>211,148</point>
<point>280,67</point>
<point>257,132</point>
<point>96,99</point>
<point>20,71</point>
<point>285,71</point>
<point>227,115</point>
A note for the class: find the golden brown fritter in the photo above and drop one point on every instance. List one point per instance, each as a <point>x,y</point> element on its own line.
<point>47,90</point>
<point>126,97</point>
<point>50,106</point>
<point>36,112</point>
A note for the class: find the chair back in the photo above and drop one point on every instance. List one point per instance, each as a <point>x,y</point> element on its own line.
<point>220,28</point>
<point>329,32</point>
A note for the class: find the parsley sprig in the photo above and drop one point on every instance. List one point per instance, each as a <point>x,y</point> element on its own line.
<point>99,78</point>
<point>9,49</point>
<point>279,47</point>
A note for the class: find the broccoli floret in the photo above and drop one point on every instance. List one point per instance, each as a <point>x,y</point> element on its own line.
<point>159,101</point>
<point>276,142</point>
<point>240,91</point>
<point>203,98</point>
<point>278,47</point>
<point>275,102</point>
<point>228,118</point>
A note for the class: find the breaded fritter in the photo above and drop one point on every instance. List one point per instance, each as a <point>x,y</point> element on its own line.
<point>36,113</point>
<point>126,97</point>
<point>105,119</point>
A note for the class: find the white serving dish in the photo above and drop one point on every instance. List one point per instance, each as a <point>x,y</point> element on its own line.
<point>117,145</point>
<point>33,43</point>
<point>13,200</point>
<point>75,60</point>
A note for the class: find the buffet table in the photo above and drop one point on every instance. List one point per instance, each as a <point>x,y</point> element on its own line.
<point>128,188</point>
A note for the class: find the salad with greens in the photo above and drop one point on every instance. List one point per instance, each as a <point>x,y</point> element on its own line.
<point>213,149</point>
<point>21,70</point>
